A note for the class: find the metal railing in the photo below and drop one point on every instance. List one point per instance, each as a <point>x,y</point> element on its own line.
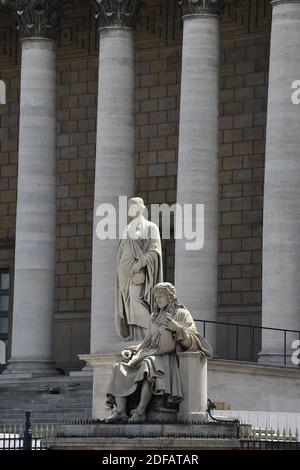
<point>269,439</point>
<point>243,342</point>
<point>25,437</point>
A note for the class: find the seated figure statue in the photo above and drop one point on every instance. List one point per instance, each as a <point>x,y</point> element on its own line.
<point>151,368</point>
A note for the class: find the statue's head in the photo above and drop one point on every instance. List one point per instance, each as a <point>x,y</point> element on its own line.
<point>136,206</point>
<point>165,296</point>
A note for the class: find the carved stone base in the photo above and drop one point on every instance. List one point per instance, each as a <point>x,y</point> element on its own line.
<point>147,436</point>
<point>163,415</point>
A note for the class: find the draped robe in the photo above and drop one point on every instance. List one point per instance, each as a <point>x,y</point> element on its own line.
<point>156,359</point>
<point>134,303</point>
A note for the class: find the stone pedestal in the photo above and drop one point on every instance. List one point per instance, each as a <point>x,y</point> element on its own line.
<point>193,375</point>
<point>281,228</point>
<point>101,366</point>
<point>110,437</point>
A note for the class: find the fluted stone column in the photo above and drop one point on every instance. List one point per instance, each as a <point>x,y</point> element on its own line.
<point>196,271</point>
<point>281,223</point>
<point>114,175</point>
<point>34,281</point>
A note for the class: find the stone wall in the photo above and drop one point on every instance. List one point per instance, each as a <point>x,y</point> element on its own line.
<point>254,387</point>
<point>243,106</point>
<point>245,31</point>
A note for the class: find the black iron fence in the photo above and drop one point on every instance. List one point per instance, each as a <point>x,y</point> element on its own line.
<point>28,438</point>
<point>269,445</point>
<point>25,437</point>
<point>269,439</point>
<point>240,342</point>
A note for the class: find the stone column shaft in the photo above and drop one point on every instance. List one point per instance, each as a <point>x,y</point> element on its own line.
<point>281,223</point>
<point>114,158</point>
<point>34,282</point>
<point>36,209</point>
<point>196,271</point>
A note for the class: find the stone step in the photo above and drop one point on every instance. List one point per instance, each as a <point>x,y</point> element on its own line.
<point>45,406</point>
<point>38,412</point>
<point>5,402</point>
<point>44,420</point>
<point>17,398</point>
<point>62,390</point>
<point>41,404</point>
<point>57,416</point>
<point>44,412</point>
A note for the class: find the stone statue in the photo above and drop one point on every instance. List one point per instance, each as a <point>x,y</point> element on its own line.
<point>151,368</point>
<point>139,268</point>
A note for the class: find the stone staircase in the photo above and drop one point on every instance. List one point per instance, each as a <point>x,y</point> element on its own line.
<point>74,400</point>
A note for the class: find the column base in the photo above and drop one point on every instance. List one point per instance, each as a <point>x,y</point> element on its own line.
<point>28,370</point>
<point>87,371</point>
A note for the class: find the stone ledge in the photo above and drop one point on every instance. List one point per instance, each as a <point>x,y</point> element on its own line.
<point>112,444</point>
<point>150,430</point>
<point>252,368</point>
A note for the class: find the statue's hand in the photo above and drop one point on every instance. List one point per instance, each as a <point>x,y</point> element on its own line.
<point>138,266</point>
<point>171,324</point>
<point>126,354</point>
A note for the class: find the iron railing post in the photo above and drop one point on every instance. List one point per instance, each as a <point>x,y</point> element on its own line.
<point>285,347</point>
<point>27,440</point>
<point>252,344</point>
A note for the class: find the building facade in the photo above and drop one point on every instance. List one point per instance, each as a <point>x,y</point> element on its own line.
<point>181,96</point>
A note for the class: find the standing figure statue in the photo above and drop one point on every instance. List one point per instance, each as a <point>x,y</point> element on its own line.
<point>139,268</point>
<point>151,368</point>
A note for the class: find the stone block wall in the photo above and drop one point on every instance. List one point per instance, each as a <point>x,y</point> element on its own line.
<point>243,112</point>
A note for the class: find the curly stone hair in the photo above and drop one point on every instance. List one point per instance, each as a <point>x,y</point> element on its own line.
<point>169,290</point>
